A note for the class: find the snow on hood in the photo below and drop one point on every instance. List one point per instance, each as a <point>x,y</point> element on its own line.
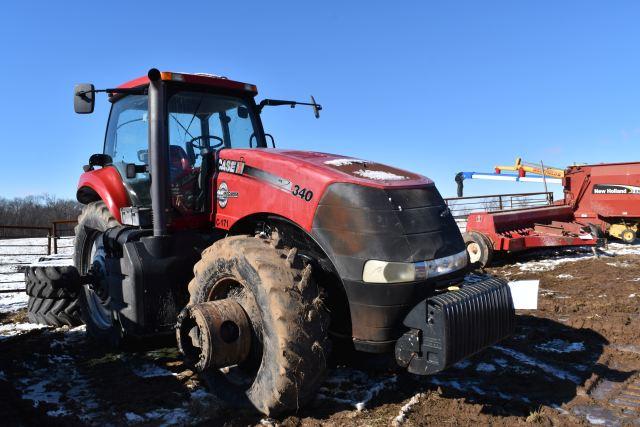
<point>379,175</point>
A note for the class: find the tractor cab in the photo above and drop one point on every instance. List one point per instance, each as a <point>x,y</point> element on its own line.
<point>202,115</point>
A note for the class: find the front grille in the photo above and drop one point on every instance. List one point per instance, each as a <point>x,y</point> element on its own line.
<point>354,223</point>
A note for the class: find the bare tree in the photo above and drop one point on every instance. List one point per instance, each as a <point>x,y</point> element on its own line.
<point>38,210</point>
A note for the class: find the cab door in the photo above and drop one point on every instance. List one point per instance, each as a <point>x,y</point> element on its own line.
<point>127,142</point>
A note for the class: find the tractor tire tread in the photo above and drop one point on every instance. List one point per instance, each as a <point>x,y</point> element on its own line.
<point>297,361</point>
<point>53,295</point>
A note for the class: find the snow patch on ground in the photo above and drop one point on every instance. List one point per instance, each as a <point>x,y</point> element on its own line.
<point>170,417</point>
<point>13,329</point>
<point>463,364</point>
<point>38,393</point>
<point>406,408</point>
<point>485,367</point>
<point>344,162</point>
<point>133,417</point>
<point>13,301</point>
<point>622,249</point>
<point>353,387</point>
<point>58,381</point>
<point>548,264</point>
<point>53,262</point>
<point>561,346</point>
<point>149,370</point>
<point>503,363</point>
<point>465,385</point>
<point>71,337</point>
<point>565,276</point>
<point>379,175</point>
<point>528,360</point>
<point>546,260</point>
<point>15,256</point>
<point>61,412</point>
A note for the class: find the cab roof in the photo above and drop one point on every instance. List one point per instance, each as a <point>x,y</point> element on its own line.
<point>196,78</point>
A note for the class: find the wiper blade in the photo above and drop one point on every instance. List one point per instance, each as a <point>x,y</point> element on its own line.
<point>181,125</point>
<point>277,102</point>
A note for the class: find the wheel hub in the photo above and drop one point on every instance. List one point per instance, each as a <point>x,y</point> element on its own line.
<point>98,272</point>
<point>474,252</point>
<point>214,334</point>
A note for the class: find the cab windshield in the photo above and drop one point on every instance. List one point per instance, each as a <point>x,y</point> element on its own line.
<point>200,120</point>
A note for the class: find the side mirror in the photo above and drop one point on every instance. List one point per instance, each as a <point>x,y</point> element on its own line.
<point>84,98</point>
<point>131,170</point>
<point>101,160</point>
<point>143,156</point>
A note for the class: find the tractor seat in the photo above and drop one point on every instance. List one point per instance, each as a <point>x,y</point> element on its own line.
<point>179,164</point>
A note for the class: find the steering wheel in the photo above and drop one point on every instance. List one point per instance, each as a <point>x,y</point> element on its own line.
<point>192,141</point>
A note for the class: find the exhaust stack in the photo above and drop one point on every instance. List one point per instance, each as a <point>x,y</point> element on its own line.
<point>158,153</point>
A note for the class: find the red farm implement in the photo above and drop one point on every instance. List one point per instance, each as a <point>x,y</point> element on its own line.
<point>599,200</point>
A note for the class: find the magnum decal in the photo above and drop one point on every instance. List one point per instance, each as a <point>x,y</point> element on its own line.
<point>271,179</point>
<point>615,189</point>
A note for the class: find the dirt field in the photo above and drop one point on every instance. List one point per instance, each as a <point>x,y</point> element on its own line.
<point>574,361</point>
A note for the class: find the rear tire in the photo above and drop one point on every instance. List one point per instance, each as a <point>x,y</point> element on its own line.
<point>102,323</point>
<point>479,247</point>
<point>290,344</point>
<point>53,295</point>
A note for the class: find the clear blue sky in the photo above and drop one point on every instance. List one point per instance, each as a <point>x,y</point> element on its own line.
<point>433,87</point>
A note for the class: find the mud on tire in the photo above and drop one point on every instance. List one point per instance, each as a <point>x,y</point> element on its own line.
<point>102,327</point>
<point>285,306</point>
<point>53,295</point>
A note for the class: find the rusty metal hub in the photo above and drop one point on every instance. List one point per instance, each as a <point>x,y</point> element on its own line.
<point>214,334</point>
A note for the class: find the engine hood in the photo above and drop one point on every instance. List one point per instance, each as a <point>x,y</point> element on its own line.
<point>338,168</point>
<point>356,170</point>
<point>291,183</point>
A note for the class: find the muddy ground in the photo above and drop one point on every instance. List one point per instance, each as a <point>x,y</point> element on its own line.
<point>574,361</point>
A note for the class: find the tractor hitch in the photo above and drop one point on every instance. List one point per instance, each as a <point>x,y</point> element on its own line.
<point>453,325</point>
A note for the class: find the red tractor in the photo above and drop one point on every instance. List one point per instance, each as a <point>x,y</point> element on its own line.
<point>259,259</point>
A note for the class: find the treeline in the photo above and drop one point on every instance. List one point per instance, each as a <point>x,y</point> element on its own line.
<point>38,211</point>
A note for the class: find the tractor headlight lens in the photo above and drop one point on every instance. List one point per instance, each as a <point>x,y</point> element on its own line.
<point>388,272</point>
<point>397,272</point>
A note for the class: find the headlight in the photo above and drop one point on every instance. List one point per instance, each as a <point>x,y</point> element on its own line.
<point>397,272</point>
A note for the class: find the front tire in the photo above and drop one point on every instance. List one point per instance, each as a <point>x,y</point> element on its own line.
<point>290,345</point>
<point>102,323</point>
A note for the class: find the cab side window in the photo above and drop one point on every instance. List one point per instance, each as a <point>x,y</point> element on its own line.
<point>128,130</point>
<point>126,142</point>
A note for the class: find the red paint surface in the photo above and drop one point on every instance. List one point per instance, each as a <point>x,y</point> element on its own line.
<point>603,208</point>
<point>514,230</point>
<point>195,79</point>
<point>108,184</point>
<point>305,169</point>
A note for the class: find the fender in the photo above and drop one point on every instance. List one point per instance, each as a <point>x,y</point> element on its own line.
<point>103,184</point>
